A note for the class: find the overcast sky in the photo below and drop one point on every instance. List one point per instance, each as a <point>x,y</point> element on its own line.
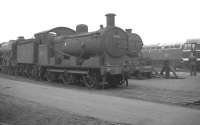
<point>156,21</point>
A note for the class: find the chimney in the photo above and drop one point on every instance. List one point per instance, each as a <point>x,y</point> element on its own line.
<point>110,20</point>
<point>21,38</point>
<point>101,27</point>
<point>129,30</point>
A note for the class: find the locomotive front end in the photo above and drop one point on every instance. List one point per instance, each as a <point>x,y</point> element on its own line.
<point>135,43</point>
<point>115,42</point>
<point>115,47</point>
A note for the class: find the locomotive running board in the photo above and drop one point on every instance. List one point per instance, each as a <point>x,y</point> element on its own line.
<point>77,72</point>
<point>56,70</point>
<point>68,71</point>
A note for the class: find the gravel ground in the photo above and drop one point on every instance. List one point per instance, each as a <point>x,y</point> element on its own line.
<point>183,92</point>
<point>16,111</point>
<point>172,97</point>
<point>95,105</point>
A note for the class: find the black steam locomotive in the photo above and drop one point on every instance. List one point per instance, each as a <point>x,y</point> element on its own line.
<point>91,58</point>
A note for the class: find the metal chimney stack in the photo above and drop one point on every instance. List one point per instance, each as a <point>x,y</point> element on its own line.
<point>110,17</point>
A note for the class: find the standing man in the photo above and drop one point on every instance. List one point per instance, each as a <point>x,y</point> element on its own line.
<point>167,68</point>
<point>192,64</point>
<point>125,74</point>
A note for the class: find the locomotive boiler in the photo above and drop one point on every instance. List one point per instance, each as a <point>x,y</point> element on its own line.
<point>110,41</point>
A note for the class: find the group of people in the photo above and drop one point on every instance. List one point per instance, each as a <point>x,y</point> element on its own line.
<point>167,68</point>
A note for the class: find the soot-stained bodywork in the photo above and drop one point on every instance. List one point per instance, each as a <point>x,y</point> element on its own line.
<point>93,59</point>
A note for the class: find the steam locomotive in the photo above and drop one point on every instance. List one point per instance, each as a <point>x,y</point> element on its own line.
<point>92,59</point>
